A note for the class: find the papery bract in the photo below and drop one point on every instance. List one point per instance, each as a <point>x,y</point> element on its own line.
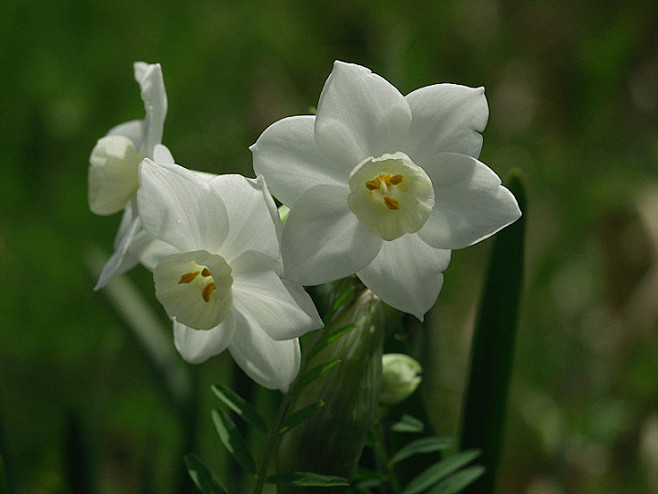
<point>383,185</point>
<point>221,284</point>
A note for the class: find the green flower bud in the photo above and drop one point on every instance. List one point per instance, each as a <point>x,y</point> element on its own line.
<point>332,440</point>
<point>400,377</point>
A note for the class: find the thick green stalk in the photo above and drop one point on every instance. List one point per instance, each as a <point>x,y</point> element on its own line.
<point>493,348</point>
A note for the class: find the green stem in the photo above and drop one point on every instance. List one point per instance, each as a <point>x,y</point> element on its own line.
<point>380,445</point>
<point>272,441</point>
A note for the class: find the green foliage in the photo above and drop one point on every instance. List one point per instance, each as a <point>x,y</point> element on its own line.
<point>307,479</point>
<point>240,406</point>
<point>493,346</point>
<point>407,423</point>
<point>458,481</point>
<point>439,471</point>
<point>201,476</point>
<point>328,336</point>
<point>233,440</point>
<point>313,374</point>
<point>300,416</point>
<point>425,445</point>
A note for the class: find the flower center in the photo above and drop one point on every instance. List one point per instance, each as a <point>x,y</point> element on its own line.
<point>390,195</point>
<point>195,288</point>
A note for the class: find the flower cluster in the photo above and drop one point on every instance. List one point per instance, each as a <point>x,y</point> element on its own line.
<point>378,184</point>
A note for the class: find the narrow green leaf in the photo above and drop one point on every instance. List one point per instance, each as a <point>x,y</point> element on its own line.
<point>425,445</point>
<point>328,337</point>
<point>307,479</point>
<point>312,375</point>
<point>458,481</point>
<point>438,471</point>
<point>300,416</point>
<point>201,476</point>
<point>233,440</point>
<point>241,407</point>
<point>493,346</point>
<point>407,423</point>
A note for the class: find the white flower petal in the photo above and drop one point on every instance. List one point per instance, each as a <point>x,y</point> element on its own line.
<point>272,364</point>
<point>446,118</point>
<point>197,346</point>
<point>261,296</point>
<point>322,240</point>
<point>121,260</point>
<point>149,77</point>
<point>470,202</point>
<point>161,154</point>
<point>286,153</point>
<point>180,208</point>
<point>150,250</point>
<point>253,218</point>
<point>360,114</point>
<point>133,130</point>
<point>407,274</point>
<point>305,302</point>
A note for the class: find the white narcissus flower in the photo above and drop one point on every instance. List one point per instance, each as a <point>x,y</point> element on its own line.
<point>383,185</point>
<point>114,160</point>
<point>221,282</point>
<point>113,178</point>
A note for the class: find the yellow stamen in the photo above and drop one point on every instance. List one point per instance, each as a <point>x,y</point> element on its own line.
<point>206,272</point>
<point>207,290</point>
<point>188,277</point>
<point>373,184</point>
<point>391,203</point>
<point>396,179</point>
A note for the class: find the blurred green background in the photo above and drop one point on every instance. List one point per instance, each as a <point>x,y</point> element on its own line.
<point>573,95</point>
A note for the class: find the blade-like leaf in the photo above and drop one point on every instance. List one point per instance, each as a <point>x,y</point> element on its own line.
<point>438,471</point>
<point>241,407</point>
<point>201,476</point>
<point>312,375</point>
<point>425,445</point>
<point>233,440</point>
<point>493,347</point>
<point>328,337</point>
<point>307,479</point>
<point>458,481</point>
<point>407,423</point>
<point>300,416</point>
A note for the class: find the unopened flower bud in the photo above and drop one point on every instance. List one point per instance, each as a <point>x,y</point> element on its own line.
<point>401,375</point>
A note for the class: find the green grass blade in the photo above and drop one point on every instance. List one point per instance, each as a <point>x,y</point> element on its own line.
<point>493,347</point>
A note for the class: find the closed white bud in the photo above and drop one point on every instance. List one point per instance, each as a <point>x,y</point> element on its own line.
<point>401,375</point>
